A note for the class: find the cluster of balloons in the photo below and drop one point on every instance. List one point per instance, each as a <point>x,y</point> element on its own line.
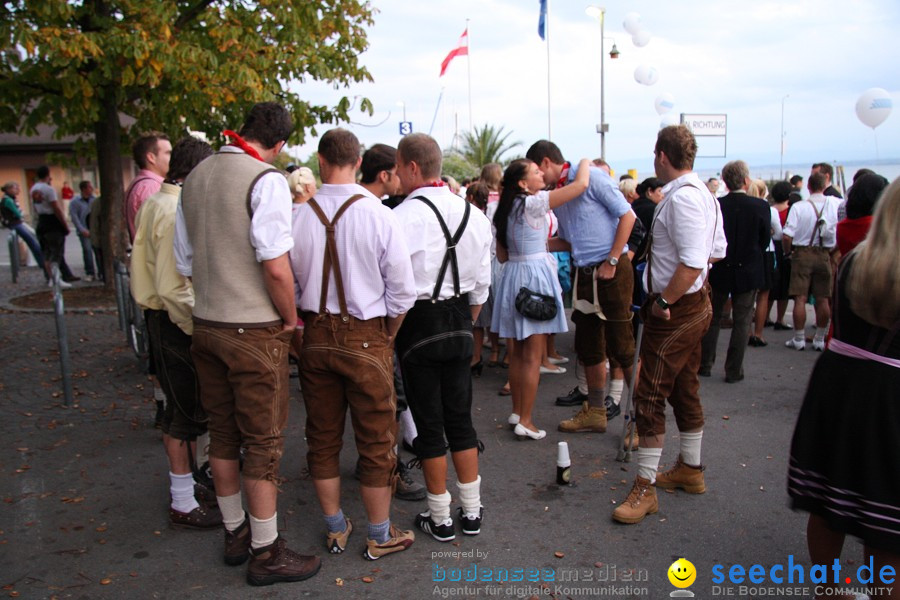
<point>640,37</point>
<point>873,107</point>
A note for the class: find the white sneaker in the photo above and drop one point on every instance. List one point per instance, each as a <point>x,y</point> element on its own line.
<point>62,284</point>
<point>557,371</point>
<point>89,278</point>
<point>818,345</point>
<point>792,343</point>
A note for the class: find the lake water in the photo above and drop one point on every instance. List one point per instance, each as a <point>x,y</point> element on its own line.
<point>889,169</point>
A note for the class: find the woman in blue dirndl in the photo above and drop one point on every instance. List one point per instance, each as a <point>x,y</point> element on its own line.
<point>521,226</point>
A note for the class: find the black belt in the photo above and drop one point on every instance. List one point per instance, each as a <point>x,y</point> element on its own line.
<point>589,270</point>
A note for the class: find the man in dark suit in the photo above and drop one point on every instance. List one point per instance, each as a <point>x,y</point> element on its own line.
<point>740,274</point>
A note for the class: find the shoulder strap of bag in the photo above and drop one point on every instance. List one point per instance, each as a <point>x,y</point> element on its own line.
<point>331,254</point>
<point>450,255</point>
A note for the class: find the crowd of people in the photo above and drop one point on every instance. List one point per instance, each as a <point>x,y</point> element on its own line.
<point>383,284</point>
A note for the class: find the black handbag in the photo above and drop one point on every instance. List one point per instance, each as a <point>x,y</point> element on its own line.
<point>533,305</point>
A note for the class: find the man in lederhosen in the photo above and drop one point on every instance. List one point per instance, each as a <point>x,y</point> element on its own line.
<point>450,248</point>
<point>355,286</point>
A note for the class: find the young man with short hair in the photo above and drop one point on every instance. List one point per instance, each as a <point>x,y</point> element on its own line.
<point>686,237</point>
<point>450,246</point>
<point>232,237</point>
<point>345,235</point>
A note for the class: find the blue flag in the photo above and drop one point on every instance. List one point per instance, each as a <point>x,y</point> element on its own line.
<point>542,22</point>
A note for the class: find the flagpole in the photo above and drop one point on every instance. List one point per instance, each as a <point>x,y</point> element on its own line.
<point>547,33</point>
<point>469,69</point>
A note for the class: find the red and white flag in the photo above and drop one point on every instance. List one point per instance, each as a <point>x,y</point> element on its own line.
<point>462,49</point>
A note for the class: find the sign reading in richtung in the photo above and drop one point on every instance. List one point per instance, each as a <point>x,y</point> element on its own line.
<point>711,133</point>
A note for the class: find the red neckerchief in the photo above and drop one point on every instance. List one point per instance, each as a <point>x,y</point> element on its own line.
<point>243,145</point>
<point>437,183</point>
<point>563,175</point>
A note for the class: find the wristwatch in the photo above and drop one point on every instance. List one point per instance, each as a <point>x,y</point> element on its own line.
<point>612,260</point>
<point>661,302</point>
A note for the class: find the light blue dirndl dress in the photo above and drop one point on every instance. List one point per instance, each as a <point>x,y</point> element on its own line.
<point>530,266</point>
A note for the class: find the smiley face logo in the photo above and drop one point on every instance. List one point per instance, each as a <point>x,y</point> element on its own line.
<point>682,573</point>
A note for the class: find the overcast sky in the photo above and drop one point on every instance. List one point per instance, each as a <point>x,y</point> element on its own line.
<point>734,58</point>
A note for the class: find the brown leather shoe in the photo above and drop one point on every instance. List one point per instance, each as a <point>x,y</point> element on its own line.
<point>683,476</point>
<point>237,544</point>
<point>588,420</point>
<point>276,563</point>
<point>199,518</point>
<point>641,501</point>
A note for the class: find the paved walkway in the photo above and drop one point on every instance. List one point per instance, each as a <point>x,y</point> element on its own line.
<point>84,488</point>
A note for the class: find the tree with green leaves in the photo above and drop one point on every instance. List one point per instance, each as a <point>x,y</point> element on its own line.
<point>486,145</point>
<point>170,65</point>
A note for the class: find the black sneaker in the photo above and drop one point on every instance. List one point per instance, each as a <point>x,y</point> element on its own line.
<point>573,398</point>
<point>442,533</point>
<point>470,525</point>
<point>612,409</point>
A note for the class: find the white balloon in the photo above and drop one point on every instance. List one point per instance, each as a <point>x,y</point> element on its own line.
<point>664,103</point>
<point>641,38</point>
<point>873,107</point>
<point>669,119</point>
<point>640,73</point>
<point>632,23</point>
<point>646,75</point>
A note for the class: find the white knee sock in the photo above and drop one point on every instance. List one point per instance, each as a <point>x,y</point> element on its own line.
<point>439,506</point>
<point>690,448</point>
<point>263,531</point>
<point>581,377</point>
<point>648,462</point>
<point>158,394</point>
<point>182,489</point>
<point>470,496</point>
<point>409,427</point>
<point>616,387</point>
<point>820,334</point>
<point>232,508</point>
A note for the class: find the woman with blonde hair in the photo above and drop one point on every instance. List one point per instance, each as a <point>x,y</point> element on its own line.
<point>844,460</point>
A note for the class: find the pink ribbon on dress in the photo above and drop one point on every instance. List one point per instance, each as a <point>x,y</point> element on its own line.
<point>845,349</point>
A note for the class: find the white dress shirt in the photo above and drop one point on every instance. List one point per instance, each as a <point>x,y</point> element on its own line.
<point>428,246</point>
<point>801,221</point>
<point>687,229</point>
<point>270,227</point>
<point>377,274</point>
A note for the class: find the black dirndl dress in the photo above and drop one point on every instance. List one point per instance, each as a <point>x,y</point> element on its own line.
<point>845,453</point>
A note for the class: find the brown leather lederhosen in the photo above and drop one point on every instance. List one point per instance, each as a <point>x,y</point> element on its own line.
<point>347,362</point>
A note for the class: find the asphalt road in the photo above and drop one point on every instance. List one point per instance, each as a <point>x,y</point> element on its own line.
<point>85,490</point>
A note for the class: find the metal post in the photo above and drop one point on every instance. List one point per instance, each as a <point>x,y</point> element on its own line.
<point>120,274</point>
<point>62,336</point>
<point>13,242</point>
<point>781,164</point>
<point>602,108</point>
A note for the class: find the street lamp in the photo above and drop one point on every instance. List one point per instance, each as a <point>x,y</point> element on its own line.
<point>598,12</point>
<point>781,164</point>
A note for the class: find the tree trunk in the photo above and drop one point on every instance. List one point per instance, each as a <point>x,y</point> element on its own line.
<point>109,160</point>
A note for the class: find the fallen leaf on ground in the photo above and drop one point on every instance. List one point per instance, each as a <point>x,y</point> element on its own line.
<point>558,554</point>
<point>367,579</point>
<point>725,417</point>
<point>105,581</point>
